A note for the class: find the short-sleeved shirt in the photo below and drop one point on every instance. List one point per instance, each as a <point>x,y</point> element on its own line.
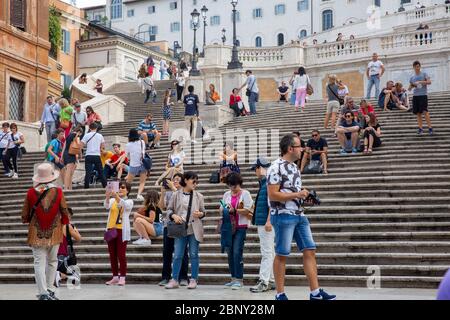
<point>176,158</point>
<point>317,145</point>
<point>421,90</point>
<point>13,138</point>
<point>79,118</point>
<point>288,177</point>
<point>93,145</point>
<point>105,157</point>
<point>344,124</point>
<point>57,147</point>
<point>191,105</point>
<point>283,89</point>
<point>135,152</point>
<point>4,138</point>
<point>332,92</point>
<point>116,157</point>
<point>246,199</point>
<point>252,85</point>
<point>374,67</point>
<point>66,113</point>
<point>146,127</point>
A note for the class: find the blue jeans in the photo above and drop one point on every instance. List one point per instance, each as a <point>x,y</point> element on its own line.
<point>252,102</point>
<point>289,227</point>
<point>180,247</point>
<point>50,127</point>
<point>374,80</point>
<point>235,254</point>
<point>162,73</point>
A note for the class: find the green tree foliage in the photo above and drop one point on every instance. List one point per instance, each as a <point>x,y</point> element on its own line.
<point>54,31</point>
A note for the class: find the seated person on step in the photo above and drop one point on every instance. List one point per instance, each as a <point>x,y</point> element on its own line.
<point>212,96</point>
<point>364,109</point>
<point>349,106</point>
<point>401,93</point>
<point>148,132</point>
<point>372,133</point>
<point>117,164</point>
<point>388,100</point>
<point>316,149</point>
<point>283,91</point>
<point>147,219</point>
<point>348,133</point>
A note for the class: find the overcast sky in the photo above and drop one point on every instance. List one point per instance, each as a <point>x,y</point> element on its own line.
<point>87,3</point>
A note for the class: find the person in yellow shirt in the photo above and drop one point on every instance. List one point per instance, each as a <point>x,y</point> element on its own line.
<point>106,155</point>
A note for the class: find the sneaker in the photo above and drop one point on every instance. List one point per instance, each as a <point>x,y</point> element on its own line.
<point>354,151</point>
<point>192,284</point>
<point>121,281</point>
<point>322,295</point>
<point>237,285</point>
<point>158,145</point>
<point>172,285</point>
<point>272,285</point>
<point>138,241</point>
<point>282,296</point>
<point>430,131</point>
<point>58,279</point>
<point>52,295</point>
<point>184,283</point>
<point>140,197</point>
<point>260,287</point>
<point>420,131</point>
<point>44,297</point>
<point>230,284</point>
<point>10,174</point>
<point>15,176</point>
<point>6,174</point>
<point>163,282</point>
<point>113,281</point>
<point>343,152</point>
<point>146,242</point>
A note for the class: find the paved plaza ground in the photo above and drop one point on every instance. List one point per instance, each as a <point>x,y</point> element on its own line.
<point>152,292</point>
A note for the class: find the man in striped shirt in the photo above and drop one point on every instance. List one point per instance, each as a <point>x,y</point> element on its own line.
<point>148,132</point>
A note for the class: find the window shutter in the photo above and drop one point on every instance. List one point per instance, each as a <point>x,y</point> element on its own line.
<point>18,13</point>
<point>67,45</point>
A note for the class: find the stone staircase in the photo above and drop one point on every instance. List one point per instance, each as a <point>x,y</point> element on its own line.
<point>390,209</point>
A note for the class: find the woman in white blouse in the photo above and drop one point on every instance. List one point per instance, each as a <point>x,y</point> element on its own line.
<point>301,81</point>
<point>119,230</point>
<point>175,162</point>
<point>15,140</point>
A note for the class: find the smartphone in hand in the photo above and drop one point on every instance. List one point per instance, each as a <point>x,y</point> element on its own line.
<point>113,186</point>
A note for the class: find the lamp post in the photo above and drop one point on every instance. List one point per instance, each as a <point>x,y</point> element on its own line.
<point>224,38</point>
<point>234,63</point>
<point>195,22</point>
<point>204,10</point>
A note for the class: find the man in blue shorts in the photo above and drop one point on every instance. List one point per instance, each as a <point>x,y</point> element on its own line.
<point>284,186</point>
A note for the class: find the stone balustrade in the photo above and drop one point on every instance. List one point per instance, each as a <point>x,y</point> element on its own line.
<point>419,39</point>
<point>428,13</point>
<point>266,55</point>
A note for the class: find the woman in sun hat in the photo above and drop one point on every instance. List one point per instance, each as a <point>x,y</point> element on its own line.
<point>45,210</point>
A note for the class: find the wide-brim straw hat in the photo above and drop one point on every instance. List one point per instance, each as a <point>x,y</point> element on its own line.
<point>45,173</point>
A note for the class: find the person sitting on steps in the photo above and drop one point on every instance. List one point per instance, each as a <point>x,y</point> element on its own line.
<point>316,149</point>
<point>388,100</point>
<point>148,132</point>
<point>348,133</point>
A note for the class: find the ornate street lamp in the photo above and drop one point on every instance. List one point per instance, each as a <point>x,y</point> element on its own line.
<point>224,38</point>
<point>234,63</point>
<point>204,10</point>
<point>195,23</point>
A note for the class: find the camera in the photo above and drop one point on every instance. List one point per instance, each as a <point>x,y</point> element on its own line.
<point>41,130</point>
<point>314,198</point>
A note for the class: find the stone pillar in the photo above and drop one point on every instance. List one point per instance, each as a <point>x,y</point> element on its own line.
<point>199,87</point>
<point>231,79</point>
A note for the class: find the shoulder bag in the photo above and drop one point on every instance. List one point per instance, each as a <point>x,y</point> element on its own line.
<point>341,101</point>
<point>146,160</point>
<point>309,87</point>
<point>112,233</point>
<point>64,262</point>
<point>33,209</point>
<point>75,146</point>
<point>314,166</point>
<point>175,230</point>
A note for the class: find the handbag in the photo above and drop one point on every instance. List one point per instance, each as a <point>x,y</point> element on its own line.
<point>215,177</point>
<point>232,220</point>
<point>71,259</point>
<point>99,125</point>
<point>64,124</point>
<point>75,146</point>
<point>112,233</point>
<point>309,88</point>
<point>146,160</point>
<point>341,101</point>
<point>179,230</point>
<point>314,167</point>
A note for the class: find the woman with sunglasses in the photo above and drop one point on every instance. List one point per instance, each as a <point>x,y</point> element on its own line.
<point>119,207</point>
<point>174,163</point>
<point>93,117</point>
<point>228,161</point>
<point>239,202</point>
<point>178,212</point>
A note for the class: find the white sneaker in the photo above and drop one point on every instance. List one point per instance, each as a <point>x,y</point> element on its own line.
<point>146,242</point>
<point>58,279</point>
<point>140,197</point>
<point>138,241</point>
<point>15,176</point>
<point>11,174</point>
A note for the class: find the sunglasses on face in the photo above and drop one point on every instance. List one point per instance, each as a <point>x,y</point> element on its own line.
<point>315,135</point>
<point>123,187</point>
<point>348,117</point>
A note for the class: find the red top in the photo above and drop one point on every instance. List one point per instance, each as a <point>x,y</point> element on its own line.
<point>369,107</point>
<point>93,117</point>
<point>234,100</point>
<point>116,157</point>
<point>62,251</point>
<point>44,218</point>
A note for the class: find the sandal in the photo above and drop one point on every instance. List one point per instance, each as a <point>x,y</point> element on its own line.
<point>369,151</point>
<point>366,150</point>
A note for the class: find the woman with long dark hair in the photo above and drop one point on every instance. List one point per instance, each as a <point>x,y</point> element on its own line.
<point>301,81</point>
<point>372,134</point>
<point>147,219</point>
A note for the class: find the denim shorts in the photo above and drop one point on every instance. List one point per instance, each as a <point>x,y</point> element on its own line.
<point>136,171</point>
<point>291,227</point>
<point>159,228</point>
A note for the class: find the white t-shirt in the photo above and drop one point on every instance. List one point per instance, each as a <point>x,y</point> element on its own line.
<point>343,92</point>
<point>4,138</point>
<point>181,81</point>
<point>163,65</point>
<point>93,147</point>
<point>135,152</point>
<point>375,67</point>
<point>301,81</point>
<point>176,158</point>
<point>12,139</point>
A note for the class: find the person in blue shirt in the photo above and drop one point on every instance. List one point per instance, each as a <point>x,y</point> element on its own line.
<point>148,132</point>
<point>348,133</point>
<point>261,219</point>
<point>191,112</point>
<point>55,152</point>
<point>50,116</point>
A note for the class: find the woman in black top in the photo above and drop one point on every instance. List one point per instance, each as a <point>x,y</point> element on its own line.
<point>70,160</point>
<point>147,220</point>
<point>372,133</point>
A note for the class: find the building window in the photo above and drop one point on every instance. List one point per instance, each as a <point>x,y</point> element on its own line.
<point>175,27</point>
<point>377,3</point>
<point>130,13</point>
<point>16,99</point>
<point>303,5</point>
<point>257,13</point>
<point>194,2</point>
<point>215,20</point>
<point>66,80</point>
<point>303,34</point>
<point>116,9</point>
<point>151,9</point>
<point>327,20</point>
<point>18,14</point>
<point>258,42</point>
<point>280,39</point>
<point>153,31</point>
<point>65,43</point>
<point>173,5</point>
<point>280,9</point>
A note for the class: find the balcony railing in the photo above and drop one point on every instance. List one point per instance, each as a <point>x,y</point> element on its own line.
<point>266,55</point>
